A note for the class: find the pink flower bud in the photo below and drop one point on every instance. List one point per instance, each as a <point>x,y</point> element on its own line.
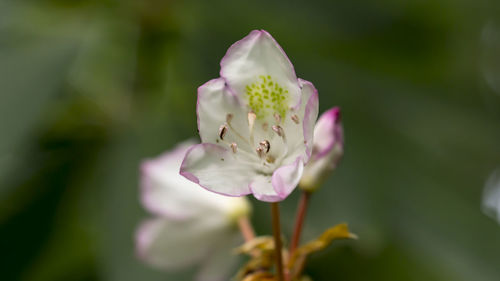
<point>328,149</point>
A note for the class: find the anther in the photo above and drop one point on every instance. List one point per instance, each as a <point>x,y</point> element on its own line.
<point>234,147</point>
<point>277,117</point>
<point>229,117</point>
<point>295,118</point>
<point>222,131</point>
<point>265,145</point>
<point>278,130</point>
<point>260,152</point>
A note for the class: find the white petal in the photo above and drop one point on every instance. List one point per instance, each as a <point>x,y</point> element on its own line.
<point>258,59</point>
<point>278,186</point>
<point>300,136</point>
<point>215,103</point>
<point>286,178</point>
<point>217,169</point>
<point>491,196</point>
<point>222,262</point>
<point>263,189</point>
<point>311,110</point>
<point>172,244</point>
<point>165,192</point>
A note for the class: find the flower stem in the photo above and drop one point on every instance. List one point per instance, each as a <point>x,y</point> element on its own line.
<point>246,228</point>
<point>299,220</point>
<point>277,240</point>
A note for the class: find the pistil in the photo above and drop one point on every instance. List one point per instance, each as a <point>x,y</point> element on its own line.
<point>251,122</point>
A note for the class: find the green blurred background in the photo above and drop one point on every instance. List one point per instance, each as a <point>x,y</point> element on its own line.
<point>89,88</point>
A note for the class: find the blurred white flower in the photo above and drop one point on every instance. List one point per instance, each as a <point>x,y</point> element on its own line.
<point>255,123</point>
<point>328,149</point>
<point>490,61</point>
<point>491,196</point>
<point>191,225</point>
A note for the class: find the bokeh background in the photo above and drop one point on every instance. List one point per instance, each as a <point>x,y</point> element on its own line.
<point>89,88</point>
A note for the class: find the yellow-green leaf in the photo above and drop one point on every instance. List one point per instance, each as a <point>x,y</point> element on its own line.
<point>259,276</point>
<point>262,243</point>
<point>340,231</point>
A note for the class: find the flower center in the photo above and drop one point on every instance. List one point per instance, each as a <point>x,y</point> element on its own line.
<point>266,97</point>
<point>262,145</point>
<point>260,138</point>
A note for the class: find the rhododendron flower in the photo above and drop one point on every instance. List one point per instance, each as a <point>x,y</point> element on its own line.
<point>191,225</point>
<point>328,149</point>
<point>255,123</point>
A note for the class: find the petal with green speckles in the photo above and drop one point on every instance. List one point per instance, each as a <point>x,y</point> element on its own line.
<point>260,73</point>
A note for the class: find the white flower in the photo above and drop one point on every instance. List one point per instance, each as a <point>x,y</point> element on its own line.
<point>191,225</point>
<point>255,123</point>
<point>491,196</point>
<point>328,149</point>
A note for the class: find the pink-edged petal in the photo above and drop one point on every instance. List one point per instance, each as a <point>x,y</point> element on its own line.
<point>214,104</point>
<point>262,189</point>
<point>171,244</point>
<point>328,132</point>
<point>310,113</point>
<point>286,178</point>
<point>163,191</point>
<point>258,54</point>
<point>217,169</point>
<point>300,136</point>
<point>278,186</point>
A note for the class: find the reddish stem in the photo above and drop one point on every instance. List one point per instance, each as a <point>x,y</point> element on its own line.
<point>299,220</point>
<point>246,228</point>
<point>277,240</point>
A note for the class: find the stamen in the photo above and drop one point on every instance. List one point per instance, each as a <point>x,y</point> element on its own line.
<point>265,145</point>
<point>229,117</point>
<point>278,130</point>
<point>234,147</point>
<point>295,118</point>
<point>260,152</point>
<point>277,117</point>
<point>222,131</point>
<point>238,134</point>
<point>251,155</point>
